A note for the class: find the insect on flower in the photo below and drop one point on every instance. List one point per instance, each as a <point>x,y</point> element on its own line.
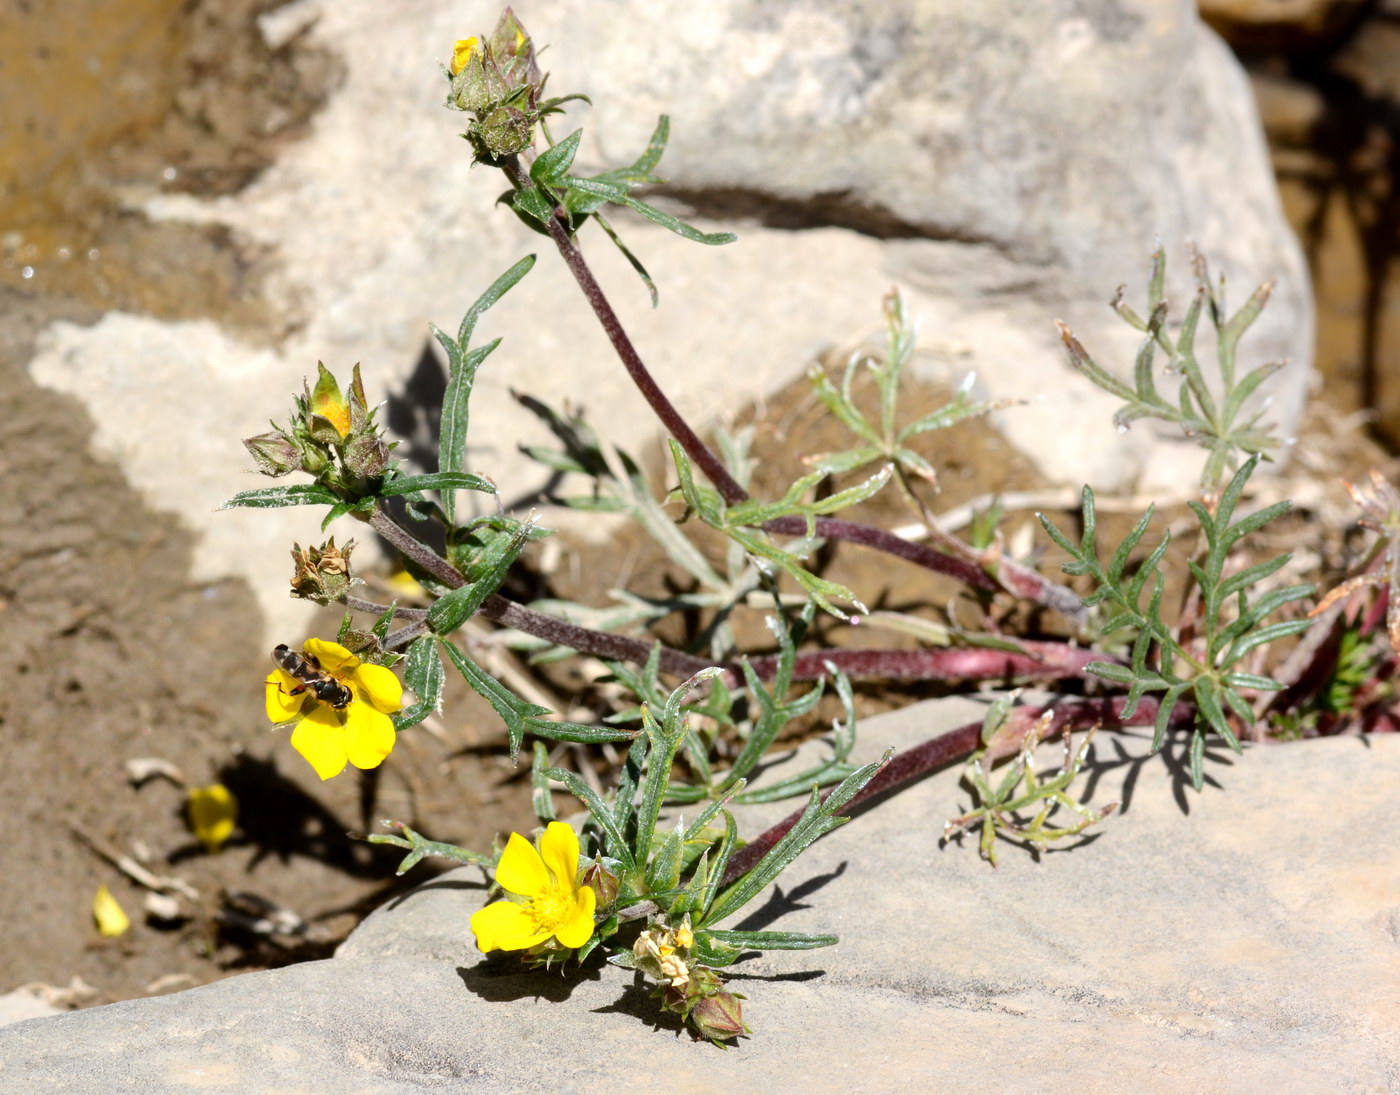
<point>307,670</point>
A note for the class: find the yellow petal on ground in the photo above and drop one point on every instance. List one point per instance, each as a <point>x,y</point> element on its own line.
<point>505,926</point>
<point>462,52</point>
<point>574,931</point>
<point>333,657</point>
<point>559,850</point>
<point>401,581</point>
<point>369,736</point>
<point>278,700</point>
<point>110,916</point>
<point>320,738</point>
<point>521,870</point>
<point>379,686</point>
<point>212,812</point>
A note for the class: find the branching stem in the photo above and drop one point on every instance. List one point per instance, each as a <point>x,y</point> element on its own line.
<point>936,753</point>
<point>1027,584</point>
<point>1044,661</point>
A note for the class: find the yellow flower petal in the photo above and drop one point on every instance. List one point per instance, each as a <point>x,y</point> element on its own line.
<point>559,850</point>
<point>278,700</point>
<point>212,811</point>
<point>320,738</point>
<point>368,736</point>
<point>379,687</point>
<point>462,52</point>
<point>504,925</point>
<point>574,931</point>
<point>333,657</point>
<point>110,916</point>
<point>327,401</point>
<point>521,870</point>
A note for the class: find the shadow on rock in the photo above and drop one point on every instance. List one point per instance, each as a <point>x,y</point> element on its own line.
<point>636,1001</point>
<point>500,977</point>
<point>779,904</point>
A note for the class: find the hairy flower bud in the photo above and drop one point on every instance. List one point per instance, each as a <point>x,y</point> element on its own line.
<point>367,456</point>
<point>499,83</point>
<point>329,420</point>
<point>275,453</point>
<point>720,1017</point>
<point>605,884</point>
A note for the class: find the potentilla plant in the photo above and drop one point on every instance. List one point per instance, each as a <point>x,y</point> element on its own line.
<point>653,868</point>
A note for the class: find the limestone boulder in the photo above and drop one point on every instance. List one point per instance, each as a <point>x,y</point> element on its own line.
<point>1005,164</point>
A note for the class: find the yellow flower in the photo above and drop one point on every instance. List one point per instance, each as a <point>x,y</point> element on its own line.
<point>110,916</point>
<point>462,52</point>
<point>360,732</point>
<point>212,811</point>
<point>554,905</point>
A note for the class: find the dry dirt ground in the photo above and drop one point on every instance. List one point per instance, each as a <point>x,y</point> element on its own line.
<point>112,653</point>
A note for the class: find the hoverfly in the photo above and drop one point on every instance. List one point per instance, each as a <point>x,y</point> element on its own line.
<point>311,677</point>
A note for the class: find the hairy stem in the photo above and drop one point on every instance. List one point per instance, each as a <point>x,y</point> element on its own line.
<point>1041,661</point>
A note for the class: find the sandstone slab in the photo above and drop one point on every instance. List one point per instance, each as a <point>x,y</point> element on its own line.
<point>1244,939</point>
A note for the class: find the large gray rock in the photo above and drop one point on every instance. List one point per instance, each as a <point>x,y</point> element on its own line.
<point>1005,163</point>
<point>1239,940</point>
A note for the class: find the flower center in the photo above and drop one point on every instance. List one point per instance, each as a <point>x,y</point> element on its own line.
<point>551,908</point>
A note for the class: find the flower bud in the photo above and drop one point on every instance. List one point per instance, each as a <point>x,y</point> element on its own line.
<point>274,453</point>
<point>329,420</point>
<point>366,456</point>
<point>720,1017</point>
<point>604,884</point>
<point>498,82</point>
<point>503,132</point>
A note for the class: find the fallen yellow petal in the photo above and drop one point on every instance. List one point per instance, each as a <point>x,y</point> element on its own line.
<point>110,916</point>
<point>213,810</point>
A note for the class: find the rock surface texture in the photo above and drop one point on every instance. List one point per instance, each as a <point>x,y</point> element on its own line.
<point>1240,940</point>
<point>1005,163</point>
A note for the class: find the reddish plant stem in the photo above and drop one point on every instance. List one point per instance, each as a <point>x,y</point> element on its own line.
<point>542,626</point>
<point>1023,582</point>
<point>937,752</point>
<point>1041,661</point>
